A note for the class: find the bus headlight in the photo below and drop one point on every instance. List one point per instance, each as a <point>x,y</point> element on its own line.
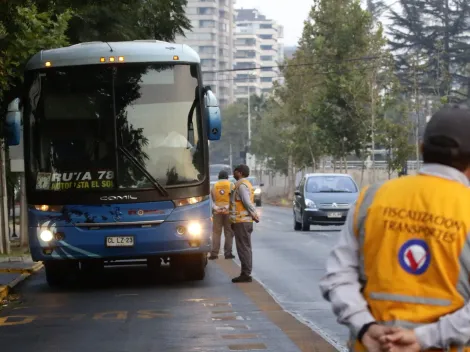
<point>188,201</point>
<point>194,230</point>
<point>258,191</point>
<point>46,236</point>
<point>49,208</point>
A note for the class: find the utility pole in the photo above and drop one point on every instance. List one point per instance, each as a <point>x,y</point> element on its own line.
<point>230,156</point>
<point>372,122</point>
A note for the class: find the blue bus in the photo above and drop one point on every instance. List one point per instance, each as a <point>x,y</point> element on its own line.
<point>116,140</point>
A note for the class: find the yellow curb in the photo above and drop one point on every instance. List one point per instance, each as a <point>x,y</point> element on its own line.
<point>4,290</point>
<point>35,267</point>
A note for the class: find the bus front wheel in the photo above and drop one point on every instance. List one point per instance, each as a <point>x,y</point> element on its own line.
<point>196,266</point>
<point>57,272</point>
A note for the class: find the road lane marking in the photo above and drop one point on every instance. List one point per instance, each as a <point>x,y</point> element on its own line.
<point>218,304</point>
<point>232,327</point>
<point>144,314</point>
<point>116,315</point>
<point>248,347</point>
<point>240,336</point>
<point>13,320</point>
<point>222,311</point>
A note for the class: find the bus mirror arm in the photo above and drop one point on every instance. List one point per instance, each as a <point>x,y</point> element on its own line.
<point>13,123</point>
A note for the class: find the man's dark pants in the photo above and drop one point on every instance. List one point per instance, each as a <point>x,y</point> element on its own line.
<point>242,232</point>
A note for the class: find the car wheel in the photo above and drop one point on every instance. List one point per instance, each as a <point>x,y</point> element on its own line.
<point>297,225</point>
<point>305,223</point>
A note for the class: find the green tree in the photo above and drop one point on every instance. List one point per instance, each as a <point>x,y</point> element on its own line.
<point>108,20</point>
<point>394,137</point>
<point>25,31</point>
<point>343,102</point>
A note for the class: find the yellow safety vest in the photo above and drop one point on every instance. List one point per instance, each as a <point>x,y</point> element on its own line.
<point>238,213</point>
<point>412,233</point>
<point>222,191</point>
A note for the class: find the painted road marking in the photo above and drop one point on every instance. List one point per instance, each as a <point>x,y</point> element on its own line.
<point>222,311</point>
<point>240,336</point>
<point>248,347</point>
<point>144,314</point>
<point>221,304</point>
<point>232,327</point>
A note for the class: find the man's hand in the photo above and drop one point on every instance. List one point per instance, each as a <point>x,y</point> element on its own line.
<point>372,338</point>
<point>400,340</point>
<point>255,217</point>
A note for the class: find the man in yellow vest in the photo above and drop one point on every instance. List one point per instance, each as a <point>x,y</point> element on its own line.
<point>242,214</point>
<point>220,214</point>
<point>399,275</point>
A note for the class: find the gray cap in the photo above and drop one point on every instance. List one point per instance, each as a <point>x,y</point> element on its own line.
<point>448,131</point>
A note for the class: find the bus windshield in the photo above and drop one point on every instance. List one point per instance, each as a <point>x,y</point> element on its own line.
<point>78,113</point>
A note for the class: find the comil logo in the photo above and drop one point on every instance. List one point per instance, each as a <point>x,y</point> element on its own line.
<point>126,197</point>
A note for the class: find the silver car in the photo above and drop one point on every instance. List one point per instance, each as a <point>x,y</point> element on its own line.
<point>323,199</point>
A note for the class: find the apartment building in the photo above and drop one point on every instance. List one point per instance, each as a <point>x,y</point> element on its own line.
<point>258,43</point>
<point>212,38</point>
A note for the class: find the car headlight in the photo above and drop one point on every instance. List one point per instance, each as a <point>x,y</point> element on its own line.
<point>310,204</point>
<point>194,230</point>
<point>258,191</point>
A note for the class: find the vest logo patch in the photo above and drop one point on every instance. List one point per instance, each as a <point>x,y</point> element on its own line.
<point>414,257</point>
<point>222,192</point>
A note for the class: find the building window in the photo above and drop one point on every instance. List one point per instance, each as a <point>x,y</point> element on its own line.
<point>266,47</point>
<point>266,26</point>
<point>266,69</point>
<point>266,79</point>
<point>207,50</point>
<point>206,24</point>
<point>266,90</point>
<point>205,11</point>
<point>266,36</point>
<point>267,58</point>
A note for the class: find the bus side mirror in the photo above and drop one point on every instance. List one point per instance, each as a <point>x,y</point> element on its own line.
<point>214,120</point>
<point>13,123</point>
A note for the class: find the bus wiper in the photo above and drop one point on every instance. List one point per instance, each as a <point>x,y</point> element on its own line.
<point>136,162</point>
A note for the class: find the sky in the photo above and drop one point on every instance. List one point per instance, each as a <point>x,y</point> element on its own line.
<point>285,13</point>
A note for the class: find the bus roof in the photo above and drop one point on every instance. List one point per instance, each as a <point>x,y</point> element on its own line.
<point>90,53</point>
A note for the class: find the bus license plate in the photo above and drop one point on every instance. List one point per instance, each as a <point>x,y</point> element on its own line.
<point>120,241</point>
<point>335,215</point>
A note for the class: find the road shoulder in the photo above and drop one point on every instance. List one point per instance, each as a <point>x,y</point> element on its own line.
<point>301,335</point>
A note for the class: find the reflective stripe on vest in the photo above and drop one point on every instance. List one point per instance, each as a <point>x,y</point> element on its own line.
<point>238,212</point>
<point>443,286</point>
<point>222,191</point>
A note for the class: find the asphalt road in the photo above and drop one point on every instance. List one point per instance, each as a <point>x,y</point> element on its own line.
<point>133,310</point>
<point>290,263</point>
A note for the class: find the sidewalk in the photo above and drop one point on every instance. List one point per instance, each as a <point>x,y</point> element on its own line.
<point>14,270</point>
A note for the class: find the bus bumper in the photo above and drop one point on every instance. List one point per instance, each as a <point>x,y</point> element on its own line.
<point>165,239</point>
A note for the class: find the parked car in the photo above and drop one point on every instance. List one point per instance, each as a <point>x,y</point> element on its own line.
<point>323,199</point>
<point>257,188</point>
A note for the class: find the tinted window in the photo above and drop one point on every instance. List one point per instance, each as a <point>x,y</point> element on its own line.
<point>321,184</point>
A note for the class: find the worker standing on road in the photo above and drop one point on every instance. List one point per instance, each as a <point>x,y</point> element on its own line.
<point>220,213</point>
<point>242,214</point>
<point>399,275</point>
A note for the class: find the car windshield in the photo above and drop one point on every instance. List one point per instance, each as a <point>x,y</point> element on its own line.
<point>327,184</point>
<point>72,112</point>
